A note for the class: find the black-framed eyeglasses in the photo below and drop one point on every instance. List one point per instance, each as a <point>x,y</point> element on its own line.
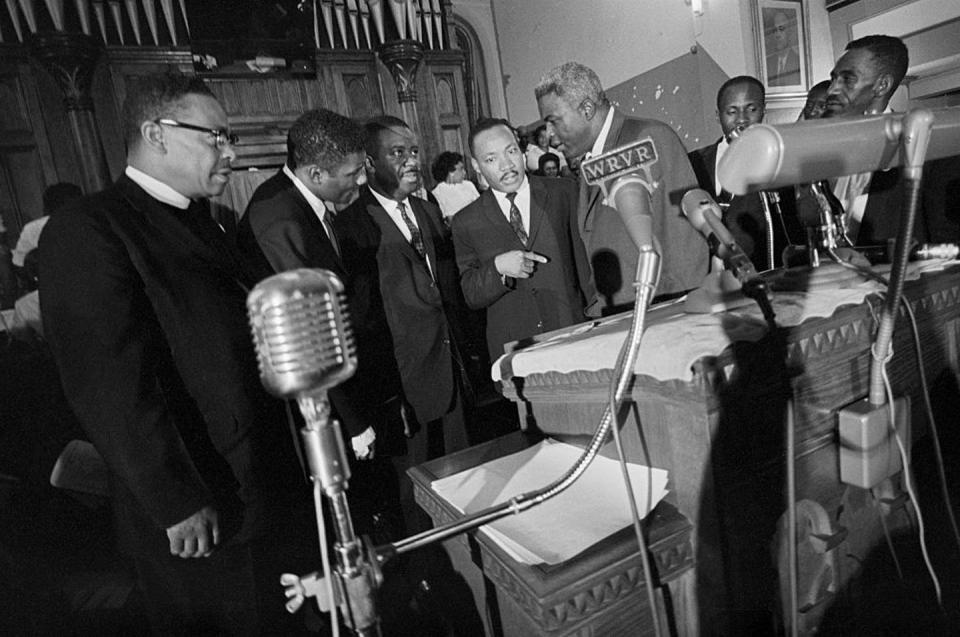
<point>220,137</point>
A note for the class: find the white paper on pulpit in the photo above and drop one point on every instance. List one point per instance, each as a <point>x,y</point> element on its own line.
<point>593,508</point>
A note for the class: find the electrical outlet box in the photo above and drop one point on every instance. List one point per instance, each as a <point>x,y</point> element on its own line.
<point>868,450</point>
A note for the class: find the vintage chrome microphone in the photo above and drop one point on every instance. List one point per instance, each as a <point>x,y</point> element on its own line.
<point>304,347</point>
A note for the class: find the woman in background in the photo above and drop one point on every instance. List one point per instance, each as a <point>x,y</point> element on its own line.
<point>454,191</point>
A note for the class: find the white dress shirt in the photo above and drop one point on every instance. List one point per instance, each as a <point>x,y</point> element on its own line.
<point>601,140</point>
<point>393,211</point>
<point>721,149</point>
<point>522,200</point>
<point>316,203</point>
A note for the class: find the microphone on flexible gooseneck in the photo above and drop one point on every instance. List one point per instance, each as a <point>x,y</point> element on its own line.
<point>705,215</point>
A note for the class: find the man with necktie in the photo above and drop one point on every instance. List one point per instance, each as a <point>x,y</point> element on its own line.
<point>288,225</point>
<point>783,61</point>
<point>577,111</point>
<point>518,249</point>
<point>405,304</point>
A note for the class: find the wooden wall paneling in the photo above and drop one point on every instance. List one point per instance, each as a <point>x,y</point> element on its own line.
<point>118,67</point>
<point>26,157</point>
<point>109,117</point>
<point>261,109</point>
<point>443,108</point>
<point>350,84</point>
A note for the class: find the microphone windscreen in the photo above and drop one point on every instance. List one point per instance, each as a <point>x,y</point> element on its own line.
<point>301,332</point>
<point>632,202</point>
<point>692,205</point>
<point>766,156</point>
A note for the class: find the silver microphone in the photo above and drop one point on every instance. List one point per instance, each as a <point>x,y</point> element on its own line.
<point>300,330</point>
<point>304,347</point>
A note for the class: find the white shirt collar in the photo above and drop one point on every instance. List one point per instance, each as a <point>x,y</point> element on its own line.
<point>601,140</point>
<point>157,189</point>
<point>721,149</point>
<point>316,204</point>
<point>522,200</point>
<point>390,205</point>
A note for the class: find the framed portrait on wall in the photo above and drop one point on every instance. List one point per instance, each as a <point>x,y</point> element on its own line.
<point>781,31</point>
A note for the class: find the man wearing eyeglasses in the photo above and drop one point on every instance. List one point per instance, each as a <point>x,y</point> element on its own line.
<point>405,300</point>
<point>144,307</point>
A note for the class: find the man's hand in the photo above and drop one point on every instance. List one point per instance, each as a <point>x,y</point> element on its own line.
<point>195,536</point>
<point>363,444</point>
<point>517,263</point>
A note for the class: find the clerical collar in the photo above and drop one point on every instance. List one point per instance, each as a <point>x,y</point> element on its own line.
<point>157,189</point>
<point>601,140</point>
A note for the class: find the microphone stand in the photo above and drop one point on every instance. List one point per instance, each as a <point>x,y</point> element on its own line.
<point>914,140</point>
<point>359,574</point>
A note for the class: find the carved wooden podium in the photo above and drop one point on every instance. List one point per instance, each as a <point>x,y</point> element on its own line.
<point>720,433</point>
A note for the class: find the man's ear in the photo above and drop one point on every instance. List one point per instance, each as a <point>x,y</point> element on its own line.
<point>368,163</point>
<point>588,108</point>
<point>883,85</point>
<point>475,164</point>
<point>152,135</point>
<point>318,175</point>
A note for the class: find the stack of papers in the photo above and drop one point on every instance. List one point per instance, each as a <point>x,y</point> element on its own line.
<point>593,508</point>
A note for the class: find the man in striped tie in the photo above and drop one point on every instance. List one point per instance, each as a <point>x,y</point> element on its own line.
<point>405,305</point>
<point>518,250</point>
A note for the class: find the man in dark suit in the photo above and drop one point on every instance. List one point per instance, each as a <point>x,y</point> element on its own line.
<point>405,301</point>
<point>762,223</point>
<point>144,308</point>
<point>861,83</point>
<point>287,225</point>
<point>783,61</point>
<point>517,246</point>
<point>578,113</point>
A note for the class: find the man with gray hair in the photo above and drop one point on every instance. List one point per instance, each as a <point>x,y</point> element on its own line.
<point>576,109</point>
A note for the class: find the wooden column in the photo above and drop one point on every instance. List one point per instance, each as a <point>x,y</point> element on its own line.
<point>402,58</point>
<point>71,58</point>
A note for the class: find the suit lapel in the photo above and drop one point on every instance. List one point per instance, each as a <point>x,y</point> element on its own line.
<point>495,217</point>
<point>539,205</point>
<point>427,231</point>
<point>314,224</point>
<point>590,195</point>
<point>389,232</point>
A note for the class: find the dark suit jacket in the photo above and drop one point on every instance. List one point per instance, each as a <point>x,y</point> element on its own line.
<point>612,254</point>
<point>745,218</point>
<point>791,70</point>
<point>406,320</point>
<point>520,308</point>
<point>881,216</point>
<point>279,231</point>
<point>144,309</point>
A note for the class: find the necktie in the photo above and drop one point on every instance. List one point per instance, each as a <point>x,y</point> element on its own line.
<point>416,239</point>
<point>328,226</point>
<point>515,219</point>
